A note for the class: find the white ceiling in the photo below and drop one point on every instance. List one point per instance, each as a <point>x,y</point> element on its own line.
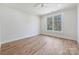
<point>30,7</point>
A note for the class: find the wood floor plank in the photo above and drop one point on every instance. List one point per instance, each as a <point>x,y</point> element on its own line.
<point>41,45</point>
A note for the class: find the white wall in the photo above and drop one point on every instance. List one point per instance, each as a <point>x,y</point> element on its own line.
<point>16,24</point>
<point>78,24</point>
<point>69,24</point>
<point>0,33</point>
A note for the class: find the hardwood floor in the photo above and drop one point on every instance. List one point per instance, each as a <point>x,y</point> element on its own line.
<point>40,45</point>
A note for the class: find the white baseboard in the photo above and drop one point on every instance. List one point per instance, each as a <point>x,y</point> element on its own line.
<point>78,42</point>
<point>19,38</point>
<point>35,35</point>
<point>60,36</point>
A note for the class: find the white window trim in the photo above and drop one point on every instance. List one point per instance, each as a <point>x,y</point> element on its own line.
<point>62,18</point>
<point>46,24</point>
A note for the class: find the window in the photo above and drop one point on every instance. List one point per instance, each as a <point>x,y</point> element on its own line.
<point>54,23</point>
<point>57,23</point>
<point>49,23</point>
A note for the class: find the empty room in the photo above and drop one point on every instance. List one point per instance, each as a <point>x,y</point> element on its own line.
<point>39,28</point>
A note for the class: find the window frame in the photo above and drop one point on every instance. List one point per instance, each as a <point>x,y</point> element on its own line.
<point>62,17</point>
<point>47,24</point>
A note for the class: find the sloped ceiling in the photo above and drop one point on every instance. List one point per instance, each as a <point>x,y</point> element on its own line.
<point>31,9</point>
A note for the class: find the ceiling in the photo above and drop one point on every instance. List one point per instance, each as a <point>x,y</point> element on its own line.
<point>33,8</point>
